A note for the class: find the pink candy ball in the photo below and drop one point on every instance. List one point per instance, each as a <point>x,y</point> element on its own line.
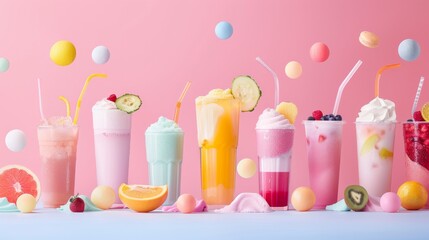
<point>186,203</point>
<point>319,52</point>
<point>390,202</point>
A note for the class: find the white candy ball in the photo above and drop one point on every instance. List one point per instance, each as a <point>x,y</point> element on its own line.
<point>100,55</point>
<point>16,140</point>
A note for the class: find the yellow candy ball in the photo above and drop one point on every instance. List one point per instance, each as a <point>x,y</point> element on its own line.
<point>63,53</point>
<point>293,69</point>
<point>26,203</point>
<point>103,197</point>
<point>246,168</point>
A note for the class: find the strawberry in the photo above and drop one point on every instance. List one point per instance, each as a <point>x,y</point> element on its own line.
<point>77,204</point>
<point>112,98</point>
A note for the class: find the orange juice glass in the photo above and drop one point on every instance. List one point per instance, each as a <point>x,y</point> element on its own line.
<point>217,123</point>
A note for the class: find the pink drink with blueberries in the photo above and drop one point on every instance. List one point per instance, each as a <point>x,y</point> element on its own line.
<point>324,138</point>
<point>274,135</point>
<point>416,142</point>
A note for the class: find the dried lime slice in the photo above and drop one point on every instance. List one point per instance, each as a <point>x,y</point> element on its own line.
<point>247,90</point>
<point>128,103</point>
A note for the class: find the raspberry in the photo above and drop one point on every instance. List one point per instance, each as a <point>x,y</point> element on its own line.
<point>112,98</point>
<point>317,115</point>
<point>418,116</point>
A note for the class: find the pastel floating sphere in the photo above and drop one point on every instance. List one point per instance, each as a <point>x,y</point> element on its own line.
<point>303,199</point>
<point>100,55</point>
<point>186,203</point>
<point>224,30</point>
<point>26,203</point>
<point>103,197</point>
<point>4,64</point>
<point>390,202</point>
<point>63,53</point>
<point>246,168</point>
<point>16,140</point>
<point>319,52</point>
<point>409,50</point>
<point>293,69</point>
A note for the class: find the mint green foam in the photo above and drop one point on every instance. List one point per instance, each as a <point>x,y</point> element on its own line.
<point>6,206</point>
<point>89,206</point>
<point>164,125</point>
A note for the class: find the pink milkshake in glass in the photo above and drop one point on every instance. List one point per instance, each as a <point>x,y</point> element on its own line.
<point>57,145</point>
<point>112,134</point>
<point>274,134</point>
<point>324,138</point>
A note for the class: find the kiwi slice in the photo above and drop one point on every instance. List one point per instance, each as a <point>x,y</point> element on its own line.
<point>128,103</point>
<point>247,90</point>
<point>356,197</point>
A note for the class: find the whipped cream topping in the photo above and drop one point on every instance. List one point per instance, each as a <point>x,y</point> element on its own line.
<point>247,203</point>
<point>216,94</point>
<point>271,119</point>
<point>164,125</point>
<point>104,104</point>
<point>378,110</point>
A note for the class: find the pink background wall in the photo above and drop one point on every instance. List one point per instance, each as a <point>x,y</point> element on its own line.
<point>156,46</point>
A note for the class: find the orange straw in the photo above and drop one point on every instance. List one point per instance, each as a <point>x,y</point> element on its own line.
<point>179,103</point>
<point>79,100</point>
<point>66,101</point>
<point>378,76</point>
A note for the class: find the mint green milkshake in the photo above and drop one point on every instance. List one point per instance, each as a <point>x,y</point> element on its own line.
<point>164,153</point>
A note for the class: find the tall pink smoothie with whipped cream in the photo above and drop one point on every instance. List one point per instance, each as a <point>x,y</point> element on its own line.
<point>112,134</point>
<point>375,135</point>
<point>274,134</point>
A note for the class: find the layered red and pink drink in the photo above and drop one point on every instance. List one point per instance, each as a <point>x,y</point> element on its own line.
<point>274,134</point>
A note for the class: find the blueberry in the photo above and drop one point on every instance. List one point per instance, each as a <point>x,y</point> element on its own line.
<point>410,120</point>
<point>338,118</point>
<point>331,115</point>
<point>325,117</point>
<point>331,118</point>
<point>311,118</point>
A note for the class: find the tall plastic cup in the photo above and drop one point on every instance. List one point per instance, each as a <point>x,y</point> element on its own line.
<point>416,143</point>
<point>164,152</point>
<point>375,144</point>
<point>218,124</point>
<point>324,140</point>
<point>274,147</point>
<point>57,147</point>
<point>112,133</point>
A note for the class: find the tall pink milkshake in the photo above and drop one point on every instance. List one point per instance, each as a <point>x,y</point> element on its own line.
<point>274,135</point>
<point>324,153</point>
<point>112,133</point>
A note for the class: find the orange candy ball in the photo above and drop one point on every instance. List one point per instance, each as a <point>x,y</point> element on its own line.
<point>303,199</point>
<point>186,203</point>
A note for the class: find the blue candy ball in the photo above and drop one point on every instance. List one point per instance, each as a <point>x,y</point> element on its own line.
<point>224,30</point>
<point>409,50</point>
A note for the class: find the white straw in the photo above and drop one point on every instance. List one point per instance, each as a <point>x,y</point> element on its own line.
<point>40,101</point>
<point>343,85</point>
<point>276,81</point>
<point>416,99</point>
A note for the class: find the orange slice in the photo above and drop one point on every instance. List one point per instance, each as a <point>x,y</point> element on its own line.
<point>425,112</point>
<point>385,153</point>
<point>142,198</point>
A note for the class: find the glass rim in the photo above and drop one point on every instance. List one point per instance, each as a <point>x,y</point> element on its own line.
<point>416,122</point>
<point>381,123</point>
<point>57,126</point>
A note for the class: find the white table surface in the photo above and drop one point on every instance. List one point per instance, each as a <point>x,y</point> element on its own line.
<point>125,224</point>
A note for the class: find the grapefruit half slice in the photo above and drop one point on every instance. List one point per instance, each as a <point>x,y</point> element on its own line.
<point>143,198</point>
<point>16,180</point>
